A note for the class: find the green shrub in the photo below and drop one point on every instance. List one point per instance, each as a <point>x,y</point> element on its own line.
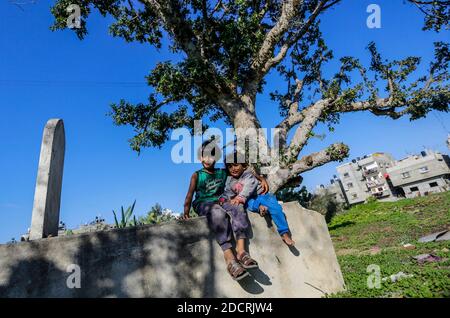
<point>128,219</point>
<point>326,205</point>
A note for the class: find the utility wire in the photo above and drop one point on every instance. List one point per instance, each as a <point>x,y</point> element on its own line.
<point>441,121</point>
<point>71,83</point>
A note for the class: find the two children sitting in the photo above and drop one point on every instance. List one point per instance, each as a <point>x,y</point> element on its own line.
<point>223,196</point>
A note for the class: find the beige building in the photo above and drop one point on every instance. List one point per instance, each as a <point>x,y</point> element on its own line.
<point>422,174</point>
<point>380,176</point>
<point>335,189</point>
<point>365,177</point>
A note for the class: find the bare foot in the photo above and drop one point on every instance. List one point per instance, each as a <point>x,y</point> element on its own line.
<point>287,239</point>
<point>262,210</point>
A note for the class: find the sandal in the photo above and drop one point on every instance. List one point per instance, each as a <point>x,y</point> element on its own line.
<point>287,239</point>
<point>236,270</point>
<point>246,261</point>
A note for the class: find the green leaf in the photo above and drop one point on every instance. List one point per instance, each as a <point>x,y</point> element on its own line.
<point>115,220</point>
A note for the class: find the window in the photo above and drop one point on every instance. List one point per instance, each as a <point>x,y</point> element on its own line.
<point>346,175</point>
<point>433,184</point>
<point>406,175</point>
<point>380,189</point>
<point>423,169</point>
<point>413,189</point>
<point>354,195</point>
<point>350,185</point>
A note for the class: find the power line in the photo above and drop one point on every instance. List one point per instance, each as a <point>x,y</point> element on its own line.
<point>441,121</point>
<point>71,83</point>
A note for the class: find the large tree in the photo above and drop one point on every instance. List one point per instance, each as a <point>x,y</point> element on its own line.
<point>228,47</point>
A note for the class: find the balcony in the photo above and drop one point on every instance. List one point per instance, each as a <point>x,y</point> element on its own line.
<point>378,194</point>
<point>370,171</point>
<point>374,183</point>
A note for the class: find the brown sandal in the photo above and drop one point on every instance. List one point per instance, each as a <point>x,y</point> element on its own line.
<point>236,270</point>
<point>285,237</point>
<point>246,261</point>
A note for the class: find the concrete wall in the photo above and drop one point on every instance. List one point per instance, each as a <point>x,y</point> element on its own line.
<point>424,187</point>
<point>176,259</point>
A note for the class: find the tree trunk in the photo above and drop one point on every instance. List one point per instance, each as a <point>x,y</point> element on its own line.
<point>276,177</point>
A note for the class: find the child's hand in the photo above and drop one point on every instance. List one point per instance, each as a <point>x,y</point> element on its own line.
<point>262,210</point>
<point>186,216</point>
<point>235,201</point>
<point>264,185</point>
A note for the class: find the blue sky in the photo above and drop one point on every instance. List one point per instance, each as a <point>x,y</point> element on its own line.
<point>46,74</point>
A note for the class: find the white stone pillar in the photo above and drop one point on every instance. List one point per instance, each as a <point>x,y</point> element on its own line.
<point>47,197</point>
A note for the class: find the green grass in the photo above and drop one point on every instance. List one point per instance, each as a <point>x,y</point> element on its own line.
<point>389,225</point>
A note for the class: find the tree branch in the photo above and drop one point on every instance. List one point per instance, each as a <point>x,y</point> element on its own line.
<point>294,38</point>
<point>289,10</point>
<point>311,116</point>
<point>265,60</point>
<point>335,152</point>
<point>176,24</point>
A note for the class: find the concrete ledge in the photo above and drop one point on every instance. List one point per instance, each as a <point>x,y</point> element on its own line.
<point>176,259</point>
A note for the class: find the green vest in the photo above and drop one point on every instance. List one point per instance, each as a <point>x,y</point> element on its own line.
<point>209,186</point>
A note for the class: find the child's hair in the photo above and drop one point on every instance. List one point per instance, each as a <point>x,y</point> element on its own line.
<point>236,157</point>
<point>209,148</point>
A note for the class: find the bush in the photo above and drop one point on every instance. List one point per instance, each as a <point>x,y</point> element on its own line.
<point>326,205</point>
<point>157,215</point>
<point>301,195</point>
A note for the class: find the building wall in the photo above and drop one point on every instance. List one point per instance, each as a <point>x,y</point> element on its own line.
<point>335,188</point>
<point>352,182</point>
<point>424,187</point>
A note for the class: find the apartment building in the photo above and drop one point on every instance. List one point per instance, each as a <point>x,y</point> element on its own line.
<point>353,184</point>
<point>374,169</point>
<point>367,176</point>
<point>422,174</point>
<point>335,188</point>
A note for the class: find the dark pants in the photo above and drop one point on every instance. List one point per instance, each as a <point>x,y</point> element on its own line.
<point>223,220</point>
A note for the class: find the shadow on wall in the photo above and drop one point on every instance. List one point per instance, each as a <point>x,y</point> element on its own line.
<point>118,263</point>
<point>254,283</point>
<point>26,278</point>
<point>151,261</point>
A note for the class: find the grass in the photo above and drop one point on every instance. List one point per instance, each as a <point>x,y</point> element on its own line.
<point>374,233</point>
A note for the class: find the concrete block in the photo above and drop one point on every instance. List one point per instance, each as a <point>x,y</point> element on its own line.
<point>175,259</point>
<point>47,197</point>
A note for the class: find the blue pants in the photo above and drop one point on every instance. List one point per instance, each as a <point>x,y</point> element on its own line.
<point>274,208</point>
